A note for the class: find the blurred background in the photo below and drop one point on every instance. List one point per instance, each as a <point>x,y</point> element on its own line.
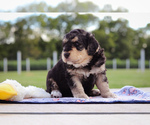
<point>36,28</point>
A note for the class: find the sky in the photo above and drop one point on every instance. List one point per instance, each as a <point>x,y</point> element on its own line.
<point>138,15</point>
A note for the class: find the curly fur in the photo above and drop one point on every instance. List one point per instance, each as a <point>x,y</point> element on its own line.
<point>81,66</point>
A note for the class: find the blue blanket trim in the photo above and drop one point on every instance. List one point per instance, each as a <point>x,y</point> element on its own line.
<point>127,94</point>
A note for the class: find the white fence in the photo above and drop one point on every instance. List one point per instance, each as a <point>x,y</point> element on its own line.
<point>19,60</point>
<point>141,62</point>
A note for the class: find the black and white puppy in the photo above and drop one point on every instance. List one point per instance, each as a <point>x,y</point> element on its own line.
<point>82,65</point>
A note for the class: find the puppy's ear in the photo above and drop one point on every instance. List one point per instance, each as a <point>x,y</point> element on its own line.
<point>92,44</point>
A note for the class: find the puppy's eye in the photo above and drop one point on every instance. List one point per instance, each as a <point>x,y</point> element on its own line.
<point>77,44</point>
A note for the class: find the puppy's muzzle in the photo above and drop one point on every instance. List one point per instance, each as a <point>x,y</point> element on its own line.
<point>66,55</point>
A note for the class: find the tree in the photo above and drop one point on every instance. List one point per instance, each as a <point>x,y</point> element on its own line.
<point>116,37</point>
<point>37,36</point>
<point>5,32</point>
<point>34,7</point>
<point>147,49</point>
<point>108,8</point>
<point>65,23</point>
<point>72,6</point>
<point>146,44</point>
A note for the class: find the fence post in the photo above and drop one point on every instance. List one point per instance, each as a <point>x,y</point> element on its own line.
<point>19,62</point>
<point>5,66</point>
<point>127,64</point>
<point>54,58</point>
<point>48,63</point>
<point>114,64</point>
<point>28,64</point>
<point>142,60</point>
<point>139,64</point>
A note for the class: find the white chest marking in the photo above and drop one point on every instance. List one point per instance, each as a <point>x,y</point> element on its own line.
<point>86,72</point>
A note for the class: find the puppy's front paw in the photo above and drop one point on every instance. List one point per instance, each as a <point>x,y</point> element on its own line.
<point>95,92</point>
<point>56,94</point>
<point>109,95</point>
<point>81,96</point>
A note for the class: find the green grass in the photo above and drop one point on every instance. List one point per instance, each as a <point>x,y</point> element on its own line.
<point>36,78</point>
<point>117,78</point>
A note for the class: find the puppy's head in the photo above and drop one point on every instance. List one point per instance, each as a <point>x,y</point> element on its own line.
<point>79,47</point>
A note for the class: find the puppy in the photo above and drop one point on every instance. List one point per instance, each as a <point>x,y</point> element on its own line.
<point>81,66</point>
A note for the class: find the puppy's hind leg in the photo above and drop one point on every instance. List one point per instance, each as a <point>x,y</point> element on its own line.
<point>55,93</point>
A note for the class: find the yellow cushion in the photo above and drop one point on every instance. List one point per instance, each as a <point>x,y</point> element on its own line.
<point>7,92</point>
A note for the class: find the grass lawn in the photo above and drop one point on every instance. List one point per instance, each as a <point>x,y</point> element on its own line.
<point>117,78</point>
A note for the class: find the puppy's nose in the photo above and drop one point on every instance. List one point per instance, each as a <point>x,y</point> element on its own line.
<point>66,55</point>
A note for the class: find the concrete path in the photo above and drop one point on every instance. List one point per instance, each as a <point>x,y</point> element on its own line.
<point>75,114</point>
